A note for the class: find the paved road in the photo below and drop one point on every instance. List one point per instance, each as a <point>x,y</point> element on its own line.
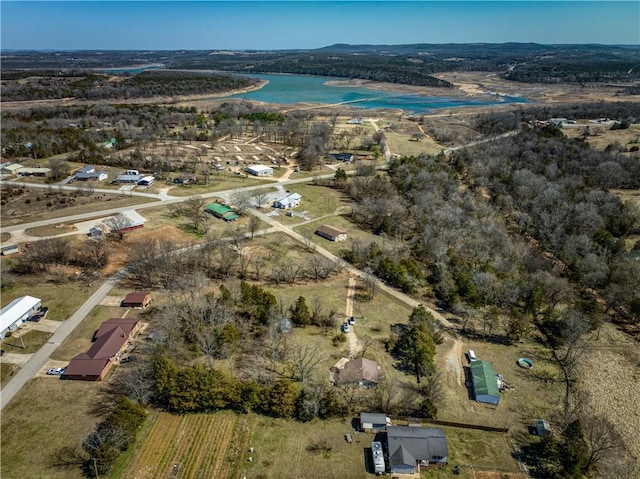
<point>40,358</point>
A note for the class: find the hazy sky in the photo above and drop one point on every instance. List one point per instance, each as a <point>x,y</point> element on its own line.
<point>169,25</point>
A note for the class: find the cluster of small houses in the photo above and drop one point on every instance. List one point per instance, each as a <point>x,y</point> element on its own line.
<point>109,342</point>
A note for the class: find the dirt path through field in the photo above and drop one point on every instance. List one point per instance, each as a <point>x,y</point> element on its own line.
<point>354,344</point>
<point>454,365</point>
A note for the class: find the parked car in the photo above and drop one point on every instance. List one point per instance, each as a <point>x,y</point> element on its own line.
<point>352,320</point>
<point>55,371</point>
<point>345,328</point>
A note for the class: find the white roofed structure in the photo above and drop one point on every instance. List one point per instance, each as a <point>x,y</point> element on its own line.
<point>16,312</point>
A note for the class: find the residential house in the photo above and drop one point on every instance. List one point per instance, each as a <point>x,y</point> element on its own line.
<point>412,448</point>
<point>345,157</point>
<point>331,233</point>
<point>485,385</point>
<point>363,372</point>
<point>17,312</point>
<point>129,178</point>
<point>290,201</point>
<point>109,342</point>
<point>224,212</point>
<point>136,299</point>
<point>89,173</point>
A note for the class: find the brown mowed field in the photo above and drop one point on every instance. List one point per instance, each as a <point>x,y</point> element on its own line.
<point>191,446</point>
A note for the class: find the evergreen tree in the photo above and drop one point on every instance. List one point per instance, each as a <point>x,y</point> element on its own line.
<point>300,314</point>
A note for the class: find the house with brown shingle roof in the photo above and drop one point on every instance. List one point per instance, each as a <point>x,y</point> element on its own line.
<point>364,372</point>
<point>110,340</point>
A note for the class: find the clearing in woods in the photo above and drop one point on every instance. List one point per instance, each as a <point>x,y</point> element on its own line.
<point>192,446</point>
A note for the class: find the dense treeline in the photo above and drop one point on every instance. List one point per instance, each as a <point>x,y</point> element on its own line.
<point>95,86</point>
<point>410,64</point>
<point>499,122</point>
<point>550,221</point>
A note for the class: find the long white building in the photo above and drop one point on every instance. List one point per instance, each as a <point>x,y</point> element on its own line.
<point>17,312</point>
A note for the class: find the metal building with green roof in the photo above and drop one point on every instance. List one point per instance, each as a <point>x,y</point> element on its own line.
<point>222,211</point>
<point>485,386</point>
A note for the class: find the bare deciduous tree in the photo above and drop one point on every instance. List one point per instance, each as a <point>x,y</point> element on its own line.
<point>303,359</point>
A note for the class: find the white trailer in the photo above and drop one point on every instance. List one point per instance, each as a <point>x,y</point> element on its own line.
<point>378,458</point>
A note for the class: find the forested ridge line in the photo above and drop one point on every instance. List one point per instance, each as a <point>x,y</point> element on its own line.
<point>408,64</point>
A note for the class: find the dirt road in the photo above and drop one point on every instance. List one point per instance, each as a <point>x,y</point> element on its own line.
<point>354,345</point>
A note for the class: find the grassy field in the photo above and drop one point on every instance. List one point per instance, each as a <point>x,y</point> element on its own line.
<point>6,371</point>
<point>534,395</point>
<point>317,201</point>
<point>44,416</point>
<point>63,299</point>
<point>308,230</point>
<point>33,341</point>
<point>192,446</point>
<point>22,210</point>
<point>404,145</point>
<point>222,182</point>
<point>601,136</point>
<point>51,230</point>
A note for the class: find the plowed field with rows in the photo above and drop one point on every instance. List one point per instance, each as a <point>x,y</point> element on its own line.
<point>193,446</point>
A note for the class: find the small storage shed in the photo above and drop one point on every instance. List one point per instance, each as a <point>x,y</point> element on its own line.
<point>11,249</point>
<point>485,386</point>
<point>374,422</point>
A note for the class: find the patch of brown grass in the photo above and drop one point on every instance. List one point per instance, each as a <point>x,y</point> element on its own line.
<point>612,379</point>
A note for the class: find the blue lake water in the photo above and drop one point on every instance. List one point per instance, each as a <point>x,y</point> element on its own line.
<point>289,89</point>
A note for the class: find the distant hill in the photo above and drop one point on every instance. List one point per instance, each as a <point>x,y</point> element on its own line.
<point>413,64</point>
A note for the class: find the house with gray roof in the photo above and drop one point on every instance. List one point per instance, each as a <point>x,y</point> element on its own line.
<point>411,448</point>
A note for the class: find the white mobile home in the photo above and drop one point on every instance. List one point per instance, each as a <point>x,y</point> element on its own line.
<point>259,170</point>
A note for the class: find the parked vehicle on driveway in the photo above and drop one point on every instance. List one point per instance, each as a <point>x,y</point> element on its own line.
<point>55,371</point>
